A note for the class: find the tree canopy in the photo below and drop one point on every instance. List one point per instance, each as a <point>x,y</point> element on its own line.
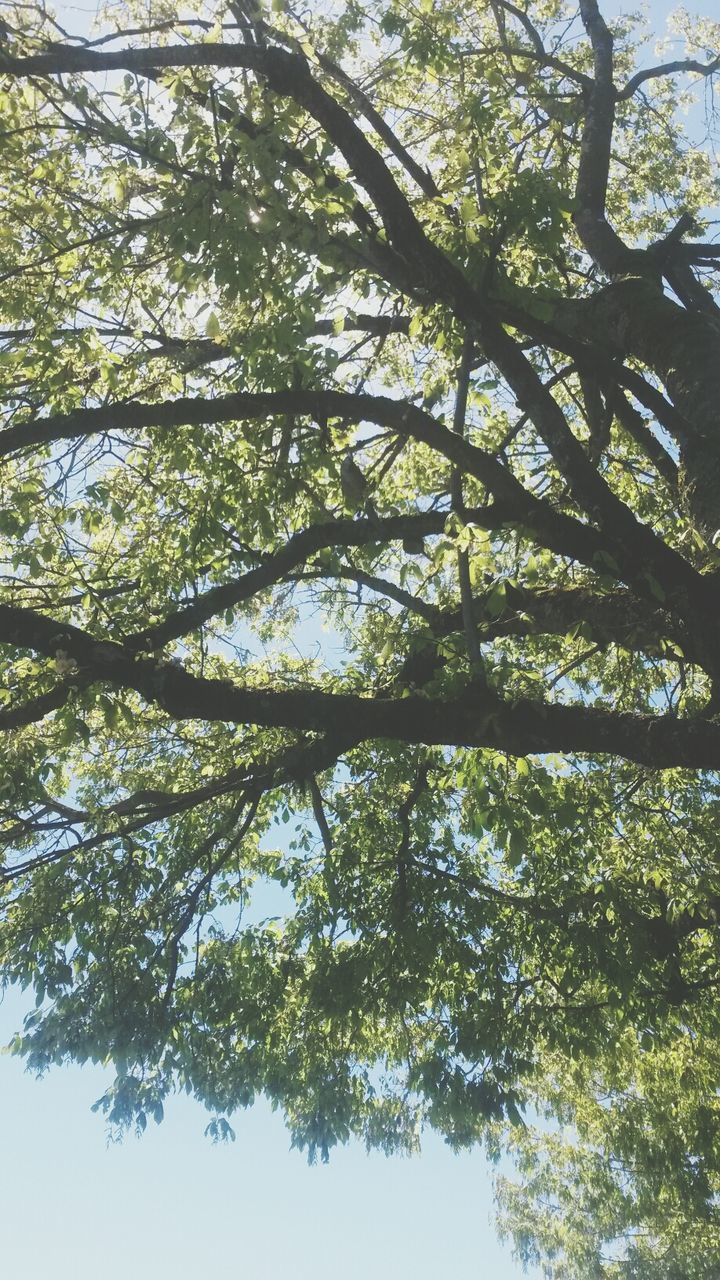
<point>395,318</point>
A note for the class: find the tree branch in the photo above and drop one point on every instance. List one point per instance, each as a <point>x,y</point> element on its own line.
<point>37,708</point>
<point>602,243</point>
<point>561,533</point>
<point>478,718</point>
<point>638,430</point>
<point>474,654</point>
<point>617,618</point>
<point>538,53</point>
<point>682,65</point>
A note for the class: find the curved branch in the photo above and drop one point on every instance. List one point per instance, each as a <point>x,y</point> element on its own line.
<point>286,768</point>
<point>278,565</point>
<point>634,547</point>
<point>561,533</point>
<point>682,65</point>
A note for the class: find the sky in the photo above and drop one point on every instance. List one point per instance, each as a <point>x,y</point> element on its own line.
<point>171,1204</point>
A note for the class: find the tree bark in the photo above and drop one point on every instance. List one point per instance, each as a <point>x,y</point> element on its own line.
<point>682,347</point>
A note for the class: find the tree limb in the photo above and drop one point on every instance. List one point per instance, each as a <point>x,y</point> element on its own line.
<point>681,65</point>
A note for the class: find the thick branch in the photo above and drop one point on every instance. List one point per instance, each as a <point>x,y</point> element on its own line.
<point>36,709</point>
<point>682,65</point>
<point>634,547</point>
<point>601,241</point>
<point>277,566</point>
<point>618,618</point>
<point>477,719</point>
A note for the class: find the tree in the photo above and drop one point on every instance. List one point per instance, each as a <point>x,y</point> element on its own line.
<point>622,1179</point>
<point>400,316</point>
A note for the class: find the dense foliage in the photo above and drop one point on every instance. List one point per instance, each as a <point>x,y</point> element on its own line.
<point>396,318</point>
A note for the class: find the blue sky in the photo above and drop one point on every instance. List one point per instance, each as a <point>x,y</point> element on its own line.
<point>170,1204</point>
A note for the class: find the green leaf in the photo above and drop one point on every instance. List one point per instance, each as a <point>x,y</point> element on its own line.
<point>212,327</point>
